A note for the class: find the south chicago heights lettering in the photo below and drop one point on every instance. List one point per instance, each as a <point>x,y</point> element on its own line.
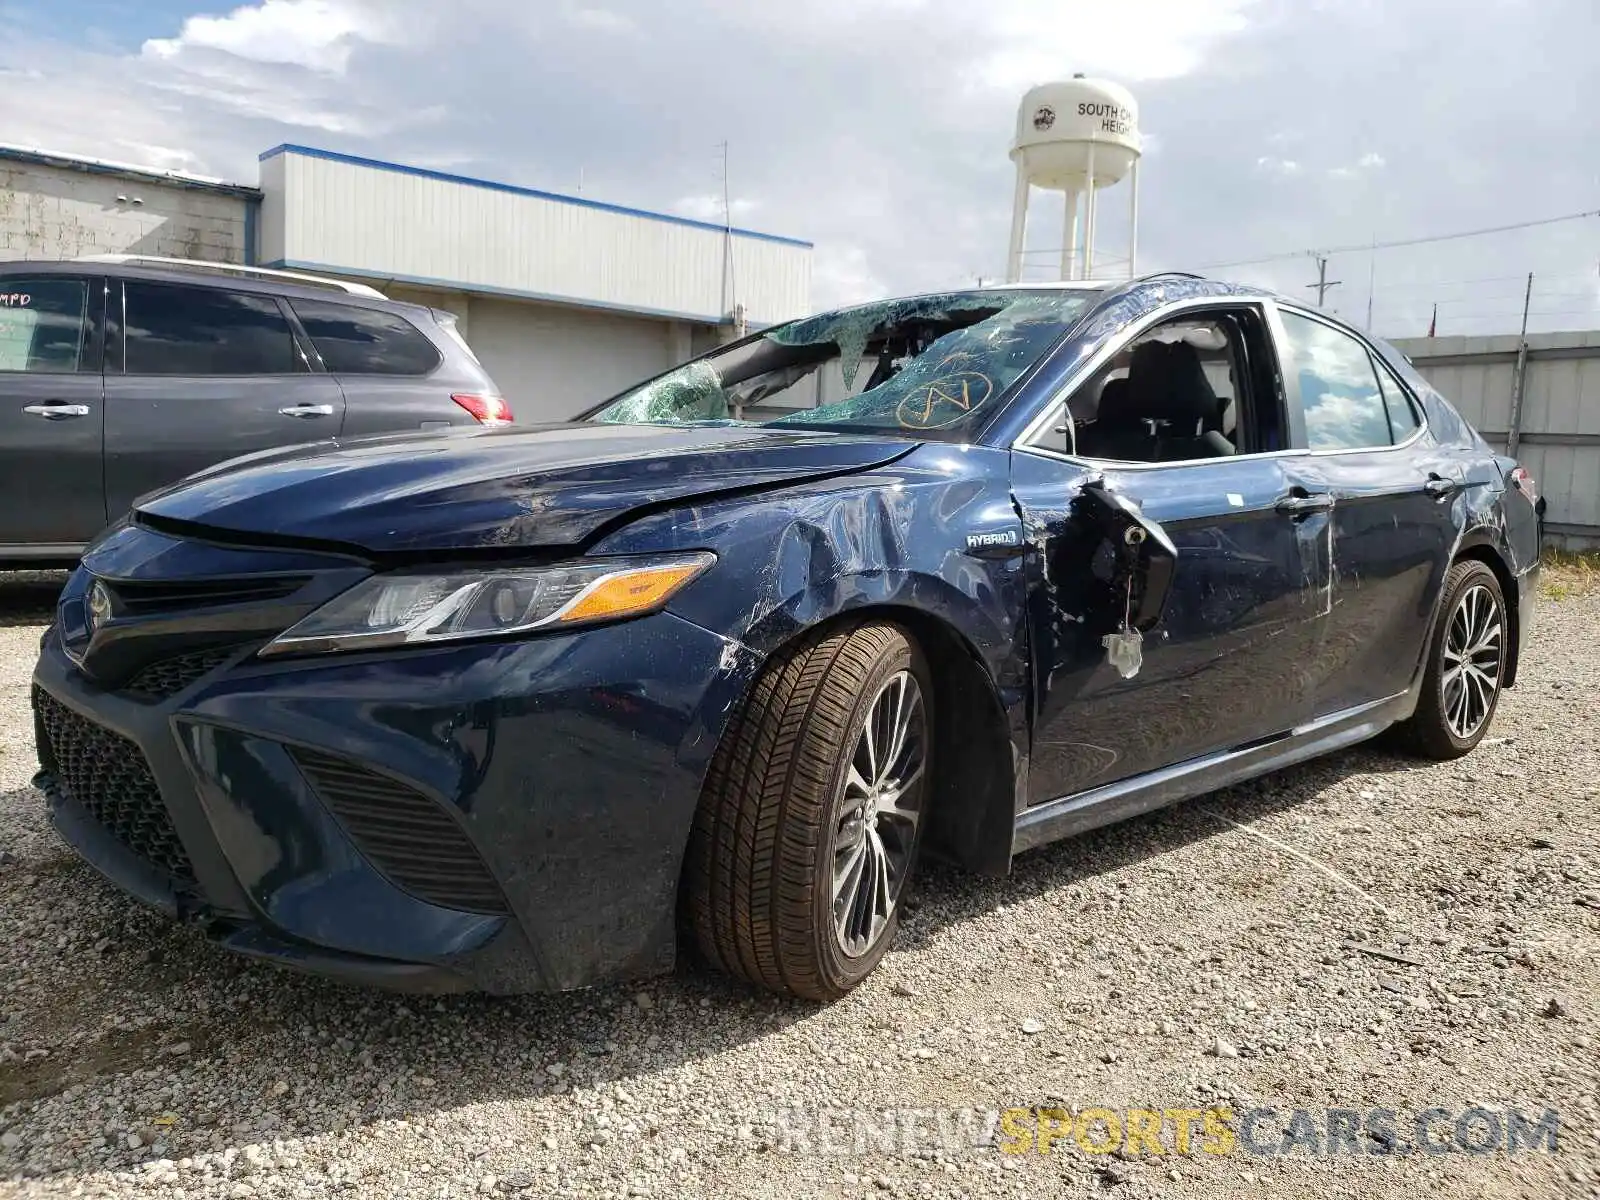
<point>1113,117</point>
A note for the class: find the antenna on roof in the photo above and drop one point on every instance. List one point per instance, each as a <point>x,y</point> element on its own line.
<point>730,278</point>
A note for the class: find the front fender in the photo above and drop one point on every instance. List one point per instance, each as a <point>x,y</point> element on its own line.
<point>935,543</point>
<point>791,560</point>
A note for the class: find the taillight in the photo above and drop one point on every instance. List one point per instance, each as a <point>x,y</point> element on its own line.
<point>1523,482</point>
<point>486,410</point>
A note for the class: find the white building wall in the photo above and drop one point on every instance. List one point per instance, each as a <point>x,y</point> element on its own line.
<point>391,223</point>
<point>51,212</point>
<point>552,362</point>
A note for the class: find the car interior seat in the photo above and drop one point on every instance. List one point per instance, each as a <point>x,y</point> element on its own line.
<point>1170,397</point>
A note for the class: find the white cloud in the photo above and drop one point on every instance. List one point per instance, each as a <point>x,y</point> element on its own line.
<point>602,20</point>
<point>844,274</point>
<point>319,34</point>
<point>878,128</point>
<point>708,207</point>
<point>1342,421</point>
<point>1033,41</point>
<point>1370,161</point>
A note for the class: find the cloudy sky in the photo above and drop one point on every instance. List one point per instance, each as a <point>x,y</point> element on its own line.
<point>878,128</point>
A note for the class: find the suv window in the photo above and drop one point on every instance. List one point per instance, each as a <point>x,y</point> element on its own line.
<point>1339,391</point>
<point>43,324</point>
<point>365,341</point>
<point>177,330</point>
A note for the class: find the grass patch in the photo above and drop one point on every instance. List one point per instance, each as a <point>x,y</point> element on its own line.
<point>1569,573</point>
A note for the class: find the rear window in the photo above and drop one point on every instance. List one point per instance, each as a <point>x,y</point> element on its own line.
<point>365,341</point>
<point>178,330</point>
<point>43,324</point>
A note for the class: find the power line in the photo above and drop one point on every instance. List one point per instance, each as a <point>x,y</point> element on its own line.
<point>1369,247</point>
<point>1591,274</point>
<point>1495,316</point>
<point>1509,300</point>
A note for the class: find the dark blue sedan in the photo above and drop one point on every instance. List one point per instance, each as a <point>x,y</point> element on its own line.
<point>717,662</point>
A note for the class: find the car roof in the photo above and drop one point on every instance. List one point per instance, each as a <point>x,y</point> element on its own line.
<point>205,274</point>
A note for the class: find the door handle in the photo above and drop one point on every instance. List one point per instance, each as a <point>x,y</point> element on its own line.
<point>1299,502</point>
<point>1439,487</point>
<point>307,410</point>
<point>56,412</point>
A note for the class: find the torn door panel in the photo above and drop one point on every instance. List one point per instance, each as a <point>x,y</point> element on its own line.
<point>1221,615</point>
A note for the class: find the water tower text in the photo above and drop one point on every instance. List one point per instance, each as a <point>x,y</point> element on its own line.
<point>1113,117</point>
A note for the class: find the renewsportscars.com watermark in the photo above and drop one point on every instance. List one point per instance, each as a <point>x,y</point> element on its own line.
<point>1259,1132</point>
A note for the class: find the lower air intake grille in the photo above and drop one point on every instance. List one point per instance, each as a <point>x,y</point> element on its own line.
<point>406,835</point>
<point>108,776</point>
<point>171,675</point>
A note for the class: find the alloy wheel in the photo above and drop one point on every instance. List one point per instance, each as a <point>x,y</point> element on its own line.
<point>1473,655</point>
<point>879,814</point>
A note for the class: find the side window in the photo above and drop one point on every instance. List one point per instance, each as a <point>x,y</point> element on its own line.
<point>365,341</point>
<point>1403,419</point>
<point>172,329</point>
<point>1179,392</point>
<point>1339,390</point>
<point>44,324</point>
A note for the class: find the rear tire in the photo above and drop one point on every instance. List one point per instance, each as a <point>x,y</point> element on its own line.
<point>808,829</point>
<point>1466,664</point>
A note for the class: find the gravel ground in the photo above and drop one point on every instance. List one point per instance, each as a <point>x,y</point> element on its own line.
<point>1178,961</point>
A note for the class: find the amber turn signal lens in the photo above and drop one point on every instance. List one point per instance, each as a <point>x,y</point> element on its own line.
<point>630,592</point>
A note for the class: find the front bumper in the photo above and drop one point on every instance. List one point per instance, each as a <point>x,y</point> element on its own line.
<point>504,817</point>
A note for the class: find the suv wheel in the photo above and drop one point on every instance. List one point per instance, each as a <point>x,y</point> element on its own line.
<point>812,815</point>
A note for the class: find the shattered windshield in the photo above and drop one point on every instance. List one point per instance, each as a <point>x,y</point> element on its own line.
<point>917,365</point>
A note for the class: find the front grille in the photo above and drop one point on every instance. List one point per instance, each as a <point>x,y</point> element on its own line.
<point>405,834</point>
<point>109,777</point>
<point>138,598</point>
<point>171,675</point>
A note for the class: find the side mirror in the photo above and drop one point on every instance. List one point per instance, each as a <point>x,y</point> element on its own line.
<point>1143,555</point>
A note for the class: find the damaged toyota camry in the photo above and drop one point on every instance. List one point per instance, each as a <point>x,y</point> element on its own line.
<point>715,664</point>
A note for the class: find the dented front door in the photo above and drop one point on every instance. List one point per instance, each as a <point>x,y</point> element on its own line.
<point>1230,658</point>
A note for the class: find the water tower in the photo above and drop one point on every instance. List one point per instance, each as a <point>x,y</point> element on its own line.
<point>1078,137</point>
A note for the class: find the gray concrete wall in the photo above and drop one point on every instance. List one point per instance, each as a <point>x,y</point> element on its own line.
<point>55,213</point>
<point>1559,439</point>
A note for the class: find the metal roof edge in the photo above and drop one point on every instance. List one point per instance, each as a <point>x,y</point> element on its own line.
<point>34,156</point>
<point>518,190</point>
<point>478,289</point>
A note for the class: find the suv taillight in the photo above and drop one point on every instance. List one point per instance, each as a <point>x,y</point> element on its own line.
<point>1523,482</point>
<point>486,410</point>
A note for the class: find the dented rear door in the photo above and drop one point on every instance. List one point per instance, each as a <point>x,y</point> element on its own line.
<point>1230,657</point>
<point>1398,504</point>
<point>1392,531</point>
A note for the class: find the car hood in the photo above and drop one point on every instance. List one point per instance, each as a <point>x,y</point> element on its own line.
<point>553,485</point>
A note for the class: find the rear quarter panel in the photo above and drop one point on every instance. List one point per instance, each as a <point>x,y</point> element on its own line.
<point>396,404</point>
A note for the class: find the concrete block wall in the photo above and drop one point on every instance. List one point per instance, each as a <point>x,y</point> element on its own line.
<point>57,213</point>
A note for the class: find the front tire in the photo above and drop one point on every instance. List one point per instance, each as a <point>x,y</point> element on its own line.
<point>812,815</point>
<point>1466,665</point>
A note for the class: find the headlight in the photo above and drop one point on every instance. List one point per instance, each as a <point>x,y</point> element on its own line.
<point>423,607</point>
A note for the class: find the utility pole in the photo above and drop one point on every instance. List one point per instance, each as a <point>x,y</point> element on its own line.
<point>1372,279</point>
<point>1519,376</point>
<point>1323,283</point>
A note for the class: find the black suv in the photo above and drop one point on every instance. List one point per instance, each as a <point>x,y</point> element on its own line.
<point>120,374</point>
